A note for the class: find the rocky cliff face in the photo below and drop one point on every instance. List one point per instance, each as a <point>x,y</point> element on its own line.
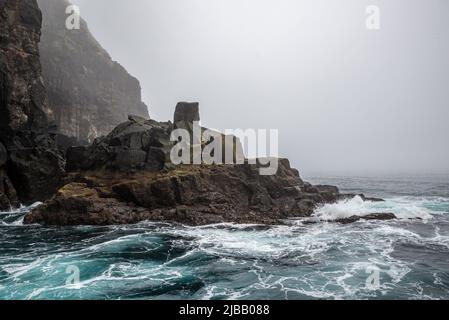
<point>89,94</point>
<point>30,166</point>
<point>23,95</point>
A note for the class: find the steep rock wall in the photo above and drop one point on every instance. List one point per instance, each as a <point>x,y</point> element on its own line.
<point>89,93</point>
<point>30,165</point>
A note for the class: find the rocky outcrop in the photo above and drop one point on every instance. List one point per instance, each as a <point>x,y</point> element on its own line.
<point>89,94</point>
<point>127,177</point>
<point>193,195</point>
<point>137,144</point>
<point>369,217</point>
<point>30,166</point>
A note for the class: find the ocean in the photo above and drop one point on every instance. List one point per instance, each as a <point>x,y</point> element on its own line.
<point>406,258</point>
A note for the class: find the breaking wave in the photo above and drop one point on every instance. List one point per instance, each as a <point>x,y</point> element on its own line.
<point>229,261</point>
<point>402,207</point>
<point>14,217</point>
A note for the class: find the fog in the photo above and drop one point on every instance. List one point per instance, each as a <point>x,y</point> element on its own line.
<point>346,100</point>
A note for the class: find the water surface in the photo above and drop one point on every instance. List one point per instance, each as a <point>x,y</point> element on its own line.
<point>408,257</point>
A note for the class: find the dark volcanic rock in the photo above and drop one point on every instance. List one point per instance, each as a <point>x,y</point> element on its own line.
<point>194,195</point>
<point>127,177</point>
<point>89,93</point>
<point>138,144</point>
<point>33,165</point>
<point>329,193</point>
<point>76,204</point>
<point>372,216</point>
<point>36,167</point>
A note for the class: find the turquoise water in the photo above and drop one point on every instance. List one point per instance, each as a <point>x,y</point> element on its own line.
<point>408,258</point>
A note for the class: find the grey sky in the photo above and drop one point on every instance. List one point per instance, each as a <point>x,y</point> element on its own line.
<point>346,100</point>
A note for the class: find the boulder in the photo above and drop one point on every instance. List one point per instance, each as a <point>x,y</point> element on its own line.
<point>329,193</point>
<point>137,144</point>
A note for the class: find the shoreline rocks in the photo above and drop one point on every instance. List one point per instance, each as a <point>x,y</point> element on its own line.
<point>369,217</point>
<point>126,177</point>
<point>192,195</point>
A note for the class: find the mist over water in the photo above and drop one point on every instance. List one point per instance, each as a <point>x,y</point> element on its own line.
<point>226,261</point>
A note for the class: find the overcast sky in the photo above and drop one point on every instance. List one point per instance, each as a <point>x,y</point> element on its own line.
<point>345,99</point>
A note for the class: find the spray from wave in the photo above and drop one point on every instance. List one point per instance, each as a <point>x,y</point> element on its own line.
<point>228,261</point>
<point>357,207</point>
<point>14,217</point>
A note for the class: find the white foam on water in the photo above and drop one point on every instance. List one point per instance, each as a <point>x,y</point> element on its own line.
<point>21,210</point>
<point>368,245</point>
<point>324,260</point>
<point>15,217</point>
<point>402,208</point>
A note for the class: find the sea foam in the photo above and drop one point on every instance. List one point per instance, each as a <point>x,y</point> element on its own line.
<point>357,207</point>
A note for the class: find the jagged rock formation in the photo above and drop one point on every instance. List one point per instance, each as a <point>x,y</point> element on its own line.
<point>137,144</point>
<point>126,178</point>
<point>89,94</point>
<point>30,166</point>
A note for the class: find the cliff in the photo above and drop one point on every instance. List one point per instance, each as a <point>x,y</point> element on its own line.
<point>30,165</point>
<point>89,94</point>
